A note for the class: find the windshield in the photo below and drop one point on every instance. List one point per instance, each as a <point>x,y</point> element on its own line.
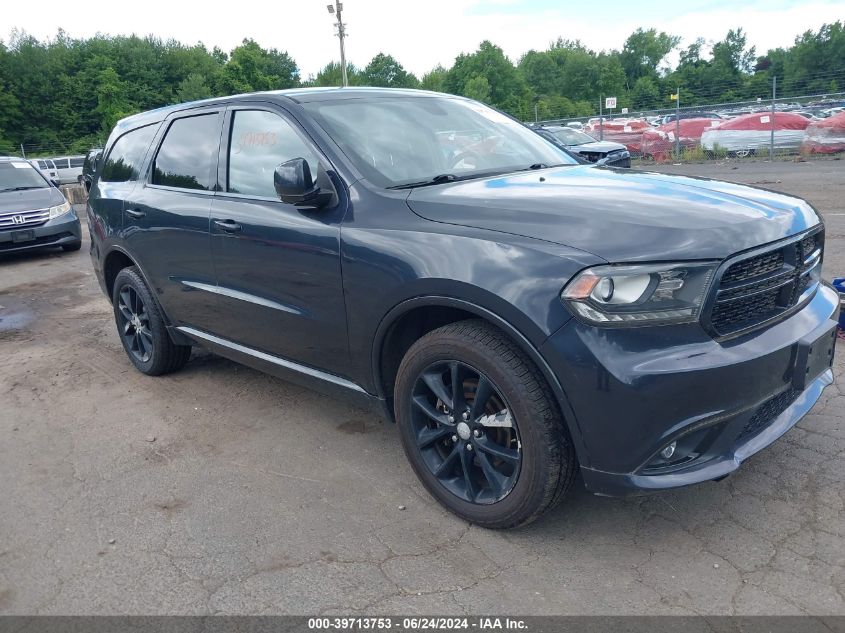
<point>17,175</point>
<point>403,140</point>
<point>569,136</point>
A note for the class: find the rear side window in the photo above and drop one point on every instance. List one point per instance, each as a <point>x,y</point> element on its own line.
<point>124,161</point>
<point>61,163</point>
<point>185,156</point>
<point>260,141</point>
<point>77,162</point>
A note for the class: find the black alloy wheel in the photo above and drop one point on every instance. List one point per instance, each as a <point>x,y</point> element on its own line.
<point>480,427</point>
<point>134,324</point>
<point>142,328</point>
<point>466,433</point>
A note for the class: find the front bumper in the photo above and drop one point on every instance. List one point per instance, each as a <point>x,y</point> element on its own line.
<point>635,390</point>
<point>65,229</point>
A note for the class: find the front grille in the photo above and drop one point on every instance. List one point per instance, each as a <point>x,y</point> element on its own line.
<point>757,289</point>
<point>23,219</point>
<point>767,412</point>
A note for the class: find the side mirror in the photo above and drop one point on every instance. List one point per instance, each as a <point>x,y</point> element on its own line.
<point>294,185</point>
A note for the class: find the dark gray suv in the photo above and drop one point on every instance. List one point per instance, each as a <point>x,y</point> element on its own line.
<point>520,315</point>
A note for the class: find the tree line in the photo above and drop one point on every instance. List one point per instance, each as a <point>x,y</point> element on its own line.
<point>68,92</point>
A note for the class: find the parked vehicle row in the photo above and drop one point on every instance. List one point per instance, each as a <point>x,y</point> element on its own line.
<point>521,315</point>
<point>739,135</point>
<point>63,169</point>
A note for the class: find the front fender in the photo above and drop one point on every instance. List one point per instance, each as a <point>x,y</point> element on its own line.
<point>523,341</point>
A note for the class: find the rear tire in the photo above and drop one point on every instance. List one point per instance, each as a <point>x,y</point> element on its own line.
<point>141,327</point>
<point>522,426</point>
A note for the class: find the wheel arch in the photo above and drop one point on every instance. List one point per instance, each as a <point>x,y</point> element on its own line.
<point>401,327</point>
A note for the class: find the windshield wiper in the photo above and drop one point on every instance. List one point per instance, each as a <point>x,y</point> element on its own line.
<point>22,188</point>
<point>436,180</point>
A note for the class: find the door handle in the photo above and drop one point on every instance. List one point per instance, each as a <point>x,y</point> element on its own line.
<point>135,213</point>
<point>230,226</point>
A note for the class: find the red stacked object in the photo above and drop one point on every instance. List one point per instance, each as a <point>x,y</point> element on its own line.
<point>826,136</point>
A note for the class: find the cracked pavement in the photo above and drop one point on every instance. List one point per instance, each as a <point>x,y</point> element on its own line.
<point>259,497</point>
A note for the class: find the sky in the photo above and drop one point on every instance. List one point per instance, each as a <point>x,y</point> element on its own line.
<point>425,33</point>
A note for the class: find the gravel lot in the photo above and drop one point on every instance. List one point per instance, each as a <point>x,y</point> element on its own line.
<point>222,490</point>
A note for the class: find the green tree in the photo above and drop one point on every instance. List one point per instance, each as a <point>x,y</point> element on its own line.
<point>478,88</point>
<point>646,94</point>
<point>435,79</point>
<point>112,104</point>
<point>643,52</point>
<point>506,85</point>
<point>331,75</point>
<point>251,68</point>
<point>193,88</point>
<point>384,71</point>
<point>732,55</point>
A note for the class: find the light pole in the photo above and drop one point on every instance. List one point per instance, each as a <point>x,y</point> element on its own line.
<point>337,7</point>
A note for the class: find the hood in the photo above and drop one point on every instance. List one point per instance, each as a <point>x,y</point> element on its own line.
<point>30,199</point>
<point>599,147</point>
<point>618,215</point>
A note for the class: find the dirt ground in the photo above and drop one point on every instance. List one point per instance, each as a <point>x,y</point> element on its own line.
<point>222,490</point>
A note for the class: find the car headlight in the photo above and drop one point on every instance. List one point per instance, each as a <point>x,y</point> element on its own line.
<point>60,209</point>
<point>649,294</point>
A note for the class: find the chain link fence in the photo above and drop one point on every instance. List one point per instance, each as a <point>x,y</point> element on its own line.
<point>806,126</point>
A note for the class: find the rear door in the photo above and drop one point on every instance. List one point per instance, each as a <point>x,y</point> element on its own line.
<point>117,179</point>
<point>278,265</point>
<point>166,216</point>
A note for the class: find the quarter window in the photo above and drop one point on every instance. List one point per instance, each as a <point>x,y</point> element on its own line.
<point>185,156</point>
<point>124,161</point>
<point>260,141</point>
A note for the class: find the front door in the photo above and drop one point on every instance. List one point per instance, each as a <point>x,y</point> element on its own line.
<point>278,266</point>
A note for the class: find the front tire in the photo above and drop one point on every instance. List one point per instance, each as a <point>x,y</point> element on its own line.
<point>480,428</point>
<point>141,328</point>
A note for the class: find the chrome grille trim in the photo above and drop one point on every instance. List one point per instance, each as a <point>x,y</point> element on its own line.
<point>23,219</point>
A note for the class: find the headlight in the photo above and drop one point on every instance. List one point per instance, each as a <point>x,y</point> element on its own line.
<point>648,294</point>
<point>60,209</point>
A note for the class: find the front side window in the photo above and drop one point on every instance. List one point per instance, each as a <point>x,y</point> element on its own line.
<point>400,140</point>
<point>77,162</point>
<point>185,156</point>
<point>124,161</point>
<point>259,142</point>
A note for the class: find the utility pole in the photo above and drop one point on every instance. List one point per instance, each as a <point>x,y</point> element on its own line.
<point>601,119</point>
<point>337,8</point>
<point>678,123</point>
<point>772,138</point>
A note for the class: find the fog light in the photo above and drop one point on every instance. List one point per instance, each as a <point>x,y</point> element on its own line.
<point>667,452</point>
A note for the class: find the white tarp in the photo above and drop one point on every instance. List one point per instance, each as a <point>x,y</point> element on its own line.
<point>740,140</point>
